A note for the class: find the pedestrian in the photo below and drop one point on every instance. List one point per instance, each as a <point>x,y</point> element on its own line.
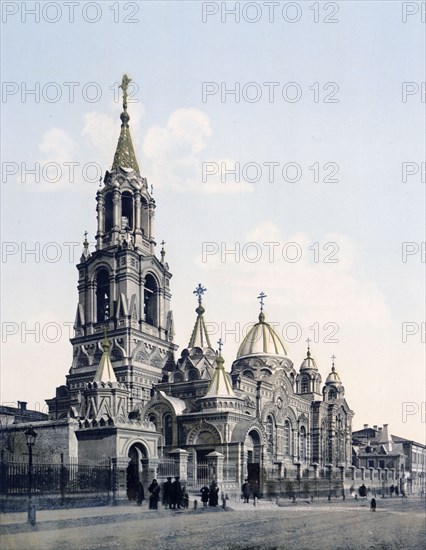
<point>167,493</point>
<point>140,494</point>
<point>391,489</point>
<point>214,494</point>
<point>245,489</point>
<point>185,498</point>
<point>362,491</point>
<point>396,491</point>
<point>255,493</point>
<point>205,493</point>
<point>373,505</point>
<point>154,489</point>
<point>176,495</point>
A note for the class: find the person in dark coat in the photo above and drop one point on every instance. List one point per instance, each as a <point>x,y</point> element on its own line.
<point>176,494</point>
<point>214,494</point>
<point>373,505</point>
<point>396,491</point>
<point>185,498</point>
<point>255,493</point>
<point>140,494</point>
<point>154,489</point>
<point>167,493</point>
<point>205,493</point>
<point>391,489</point>
<point>245,489</point>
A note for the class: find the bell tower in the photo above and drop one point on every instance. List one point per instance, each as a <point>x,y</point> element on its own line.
<point>123,288</point>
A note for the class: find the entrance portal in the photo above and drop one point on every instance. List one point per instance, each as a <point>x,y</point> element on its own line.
<point>253,447</point>
<point>135,472</point>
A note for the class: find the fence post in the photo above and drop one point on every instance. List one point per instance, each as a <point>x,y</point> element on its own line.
<point>62,479</point>
<point>113,481</point>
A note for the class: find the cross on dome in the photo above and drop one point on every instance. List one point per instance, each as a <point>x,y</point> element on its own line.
<point>220,344</point>
<point>199,291</point>
<point>261,299</point>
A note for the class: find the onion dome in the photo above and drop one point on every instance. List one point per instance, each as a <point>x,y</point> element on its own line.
<point>261,340</point>
<point>309,362</point>
<point>333,377</point>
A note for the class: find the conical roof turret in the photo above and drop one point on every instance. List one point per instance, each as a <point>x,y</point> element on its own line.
<point>199,337</point>
<point>125,156</point>
<point>105,372</point>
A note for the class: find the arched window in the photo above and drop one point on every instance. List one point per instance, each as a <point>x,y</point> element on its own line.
<point>153,419</point>
<point>287,438</point>
<point>168,429</point>
<point>108,212</point>
<point>144,218</point>
<point>304,385</point>
<point>102,296</point>
<point>332,394</point>
<point>270,433</point>
<point>324,442</point>
<point>151,301</point>
<point>126,210</point>
<point>303,444</point>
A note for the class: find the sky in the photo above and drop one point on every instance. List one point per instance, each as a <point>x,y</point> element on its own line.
<point>285,145</point>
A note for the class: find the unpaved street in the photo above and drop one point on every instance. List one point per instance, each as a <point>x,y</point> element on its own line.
<point>338,525</point>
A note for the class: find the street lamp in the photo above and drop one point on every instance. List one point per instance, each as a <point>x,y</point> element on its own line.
<point>30,435</point>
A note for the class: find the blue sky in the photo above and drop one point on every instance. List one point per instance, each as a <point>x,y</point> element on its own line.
<point>169,53</point>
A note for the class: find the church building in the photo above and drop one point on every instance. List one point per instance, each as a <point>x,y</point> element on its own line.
<point>127,397</point>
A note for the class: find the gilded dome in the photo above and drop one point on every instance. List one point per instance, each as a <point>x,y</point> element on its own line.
<point>261,340</point>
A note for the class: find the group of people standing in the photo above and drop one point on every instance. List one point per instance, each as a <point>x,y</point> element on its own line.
<point>248,490</point>
<point>210,495</point>
<point>174,495</point>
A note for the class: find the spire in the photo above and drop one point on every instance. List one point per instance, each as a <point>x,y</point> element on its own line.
<point>105,372</point>
<point>220,384</point>
<point>125,154</point>
<point>199,337</point>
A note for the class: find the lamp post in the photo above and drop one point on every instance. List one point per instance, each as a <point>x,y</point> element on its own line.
<point>30,435</point>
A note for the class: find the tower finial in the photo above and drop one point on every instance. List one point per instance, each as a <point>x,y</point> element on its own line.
<point>125,154</point>
<point>86,252</point>
<point>220,346</point>
<point>162,252</point>
<point>308,341</point>
<point>261,299</point>
<point>124,85</point>
<point>199,291</point>
<point>333,357</point>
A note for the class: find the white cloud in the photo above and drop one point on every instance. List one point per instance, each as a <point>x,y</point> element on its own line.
<point>302,288</point>
<point>173,154</point>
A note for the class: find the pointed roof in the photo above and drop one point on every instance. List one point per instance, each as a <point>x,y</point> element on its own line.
<point>105,372</point>
<point>125,153</point>
<point>220,384</point>
<point>199,336</point>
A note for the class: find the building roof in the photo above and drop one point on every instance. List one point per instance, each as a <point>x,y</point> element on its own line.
<point>199,337</point>
<point>261,339</point>
<point>220,384</point>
